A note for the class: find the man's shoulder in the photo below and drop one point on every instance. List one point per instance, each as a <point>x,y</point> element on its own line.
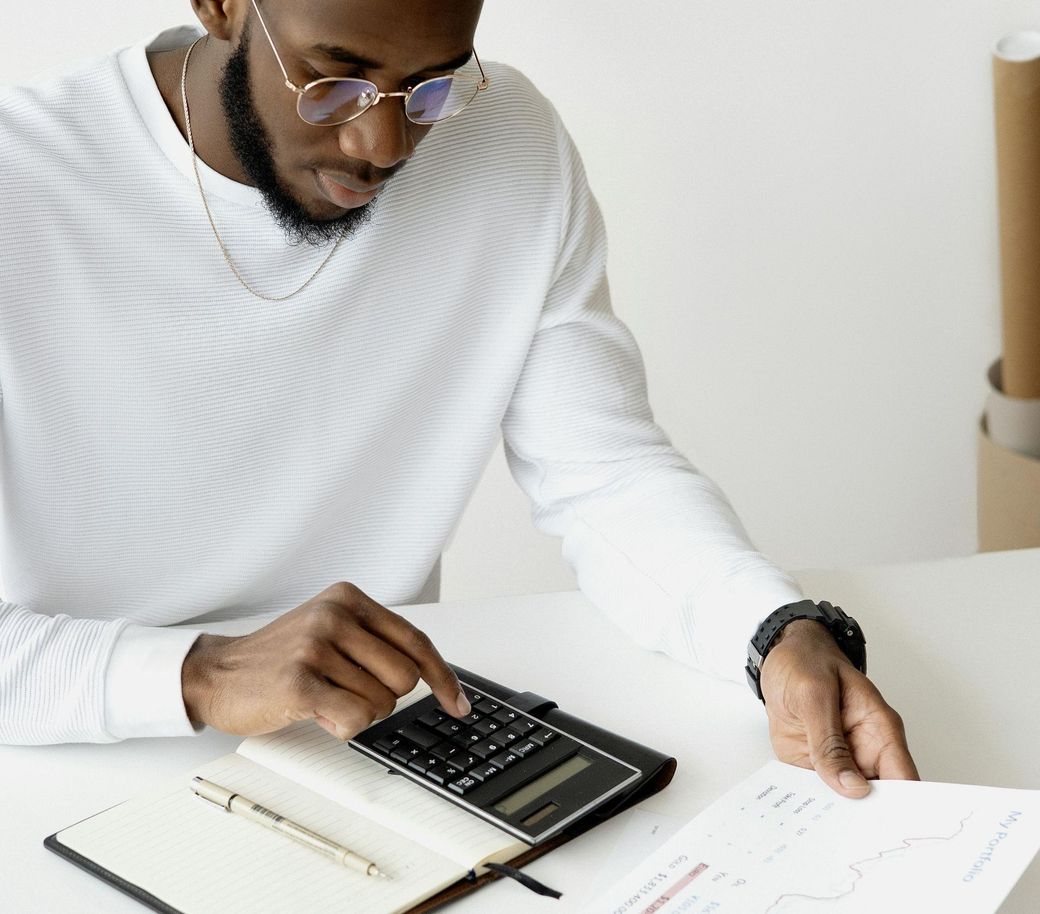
<point>515,101</point>
<point>510,133</point>
<point>63,113</point>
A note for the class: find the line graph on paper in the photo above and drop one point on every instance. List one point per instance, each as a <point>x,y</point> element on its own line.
<point>801,872</point>
<point>859,870</point>
<point>782,843</point>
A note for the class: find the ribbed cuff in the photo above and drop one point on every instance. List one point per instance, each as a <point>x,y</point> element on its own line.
<point>143,683</point>
<point>726,617</point>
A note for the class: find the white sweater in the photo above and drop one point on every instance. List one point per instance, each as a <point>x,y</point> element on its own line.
<point>175,449</point>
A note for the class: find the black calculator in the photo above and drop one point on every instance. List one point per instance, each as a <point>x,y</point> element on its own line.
<point>515,761</point>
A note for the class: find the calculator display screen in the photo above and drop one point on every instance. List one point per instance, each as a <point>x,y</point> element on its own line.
<point>541,785</point>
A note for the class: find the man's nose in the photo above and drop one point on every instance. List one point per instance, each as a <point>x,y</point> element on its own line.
<point>381,136</point>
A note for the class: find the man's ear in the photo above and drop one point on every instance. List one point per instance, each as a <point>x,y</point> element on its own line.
<point>223,19</point>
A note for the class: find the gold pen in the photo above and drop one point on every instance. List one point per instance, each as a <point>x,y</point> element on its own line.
<point>238,804</point>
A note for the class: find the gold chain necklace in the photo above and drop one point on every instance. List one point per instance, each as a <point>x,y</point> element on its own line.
<point>202,193</point>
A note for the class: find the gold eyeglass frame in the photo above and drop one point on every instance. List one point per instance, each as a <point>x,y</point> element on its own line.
<point>375,94</point>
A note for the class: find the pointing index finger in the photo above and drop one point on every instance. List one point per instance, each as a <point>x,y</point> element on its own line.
<point>408,639</point>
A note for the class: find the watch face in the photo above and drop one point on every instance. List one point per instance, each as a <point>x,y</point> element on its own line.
<point>849,637</point>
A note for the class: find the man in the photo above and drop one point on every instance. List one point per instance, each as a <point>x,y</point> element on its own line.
<point>270,291</point>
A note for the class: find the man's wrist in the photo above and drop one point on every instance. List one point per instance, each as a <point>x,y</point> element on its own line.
<point>810,629</point>
<point>806,634</point>
<point>197,677</point>
<point>813,628</point>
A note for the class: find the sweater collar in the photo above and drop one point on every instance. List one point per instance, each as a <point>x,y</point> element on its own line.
<point>153,111</point>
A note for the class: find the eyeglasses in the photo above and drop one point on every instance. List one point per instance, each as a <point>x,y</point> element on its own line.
<point>331,100</point>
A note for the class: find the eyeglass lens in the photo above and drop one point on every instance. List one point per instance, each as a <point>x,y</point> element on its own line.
<point>437,99</point>
<point>337,101</point>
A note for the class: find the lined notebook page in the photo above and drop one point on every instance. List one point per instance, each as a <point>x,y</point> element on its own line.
<point>305,753</point>
<point>201,860</point>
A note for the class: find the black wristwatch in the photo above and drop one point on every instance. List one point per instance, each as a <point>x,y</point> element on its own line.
<point>843,628</point>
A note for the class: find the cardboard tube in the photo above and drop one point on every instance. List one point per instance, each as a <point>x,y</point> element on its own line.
<point>1009,497</point>
<point>1012,422</point>
<point>1016,83</point>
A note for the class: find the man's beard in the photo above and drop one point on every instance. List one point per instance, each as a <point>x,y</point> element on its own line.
<point>252,147</point>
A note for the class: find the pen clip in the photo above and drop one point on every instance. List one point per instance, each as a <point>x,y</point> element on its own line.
<point>213,803</point>
<point>212,793</point>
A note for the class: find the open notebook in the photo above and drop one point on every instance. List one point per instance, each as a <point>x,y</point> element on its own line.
<point>179,853</point>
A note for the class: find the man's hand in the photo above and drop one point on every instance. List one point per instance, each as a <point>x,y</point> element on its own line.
<point>825,714</point>
<point>340,658</point>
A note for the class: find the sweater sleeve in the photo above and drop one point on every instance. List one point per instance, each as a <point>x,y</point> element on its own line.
<point>88,680</point>
<point>653,542</point>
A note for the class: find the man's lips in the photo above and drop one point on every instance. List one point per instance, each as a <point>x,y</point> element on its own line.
<point>344,192</point>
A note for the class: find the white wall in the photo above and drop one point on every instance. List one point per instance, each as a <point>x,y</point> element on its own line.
<point>800,198</point>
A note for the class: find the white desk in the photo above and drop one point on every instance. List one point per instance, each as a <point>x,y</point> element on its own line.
<point>952,644</point>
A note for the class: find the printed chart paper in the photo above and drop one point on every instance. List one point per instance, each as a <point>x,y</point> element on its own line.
<point>783,843</point>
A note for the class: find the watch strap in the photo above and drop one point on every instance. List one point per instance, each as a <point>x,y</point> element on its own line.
<point>842,627</point>
<point>775,623</point>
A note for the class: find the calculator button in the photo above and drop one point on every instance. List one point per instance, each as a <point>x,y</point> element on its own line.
<point>450,727</point>
<point>465,760</point>
<point>423,763</point>
<point>471,718</point>
<point>487,706</point>
<point>467,738</point>
<point>405,753</point>
<point>524,748</point>
<point>487,726</point>
<point>431,718</point>
<point>420,737</point>
<point>444,750</point>
<point>486,749</point>
<point>523,726</point>
<point>464,784</point>
<point>443,774</point>
<point>544,736</point>
<point>504,759</point>
<point>506,716</point>
<point>387,744</point>
<point>516,731</point>
<point>484,771</point>
<point>507,736</point>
